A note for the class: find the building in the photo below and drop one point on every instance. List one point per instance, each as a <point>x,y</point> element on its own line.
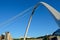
<point>8,36</point>
<point>54,36</point>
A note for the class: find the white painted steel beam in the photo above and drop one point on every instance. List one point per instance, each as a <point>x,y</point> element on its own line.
<point>53,11</point>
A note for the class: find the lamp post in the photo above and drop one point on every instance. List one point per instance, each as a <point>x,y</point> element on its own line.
<point>54,12</point>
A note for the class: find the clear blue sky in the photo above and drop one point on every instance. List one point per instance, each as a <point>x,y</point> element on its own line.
<point>42,22</point>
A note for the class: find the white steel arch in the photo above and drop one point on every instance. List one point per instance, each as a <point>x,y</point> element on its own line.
<point>53,11</point>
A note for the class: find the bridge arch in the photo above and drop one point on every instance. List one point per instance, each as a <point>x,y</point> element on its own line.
<point>53,11</point>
